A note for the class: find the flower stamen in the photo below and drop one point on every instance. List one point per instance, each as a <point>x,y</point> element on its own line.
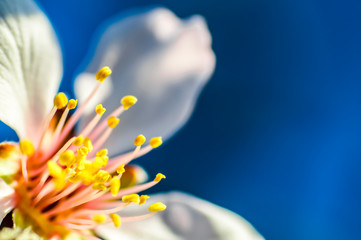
<point>68,185</point>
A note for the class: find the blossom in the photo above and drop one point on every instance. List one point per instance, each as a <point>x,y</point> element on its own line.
<point>69,176</point>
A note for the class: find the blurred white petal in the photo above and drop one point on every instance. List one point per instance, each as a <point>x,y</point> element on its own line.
<point>7,201</point>
<point>187,218</point>
<point>163,61</point>
<point>30,66</point>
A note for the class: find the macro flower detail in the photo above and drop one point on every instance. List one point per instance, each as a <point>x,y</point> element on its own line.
<point>69,176</point>
<point>68,183</point>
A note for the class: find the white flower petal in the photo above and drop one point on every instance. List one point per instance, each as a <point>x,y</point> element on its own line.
<point>30,66</point>
<point>163,61</point>
<point>7,201</point>
<point>186,217</point>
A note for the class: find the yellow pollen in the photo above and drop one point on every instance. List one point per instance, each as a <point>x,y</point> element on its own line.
<point>105,160</point>
<point>102,176</point>
<point>102,153</point>
<point>156,142</point>
<point>100,162</point>
<point>86,177</point>
<point>117,221</point>
<point>54,169</point>
<point>115,185</point>
<point>143,198</point>
<point>78,140</point>
<point>99,186</point>
<point>139,140</point>
<point>159,177</point>
<point>157,207</point>
<point>128,101</point>
<point>60,100</point>
<point>72,104</point>
<point>79,158</point>
<point>120,169</point>
<point>134,198</point>
<point>59,183</point>
<point>99,109</point>
<point>100,218</point>
<point>74,177</point>
<point>88,144</point>
<point>83,151</point>
<point>67,158</point>
<point>27,147</point>
<point>103,74</point>
<point>113,122</point>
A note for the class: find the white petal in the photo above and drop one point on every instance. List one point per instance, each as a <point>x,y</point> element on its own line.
<point>186,217</point>
<point>162,60</point>
<point>30,66</point>
<point>7,201</point>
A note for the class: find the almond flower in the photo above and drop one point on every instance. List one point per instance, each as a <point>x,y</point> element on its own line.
<point>69,177</point>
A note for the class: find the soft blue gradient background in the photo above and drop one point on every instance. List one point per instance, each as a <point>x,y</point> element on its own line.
<point>276,135</point>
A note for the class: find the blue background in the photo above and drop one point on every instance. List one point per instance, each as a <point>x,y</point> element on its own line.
<point>284,149</point>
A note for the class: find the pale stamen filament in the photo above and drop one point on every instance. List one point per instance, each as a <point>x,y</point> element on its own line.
<point>43,179</point>
<point>127,157</point>
<point>100,128</point>
<point>24,168</point>
<point>99,143</point>
<point>137,218</point>
<point>48,188</point>
<point>75,117</point>
<point>131,190</point>
<point>91,125</point>
<point>60,124</point>
<point>64,148</point>
<point>61,195</point>
<point>46,126</point>
<point>64,207</point>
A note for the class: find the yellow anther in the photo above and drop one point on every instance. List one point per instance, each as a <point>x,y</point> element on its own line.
<point>139,140</point>
<point>117,221</point>
<point>74,177</point>
<point>98,163</point>
<point>59,183</point>
<point>103,74</point>
<point>86,177</point>
<point>120,169</point>
<point>81,164</point>
<point>156,142</point>
<point>113,122</point>
<point>55,170</point>
<point>143,198</point>
<point>83,151</point>
<point>78,140</point>
<point>157,207</point>
<point>88,144</point>
<point>102,176</point>
<point>60,100</point>
<point>69,171</point>
<point>27,147</point>
<point>67,158</point>
<point>102,153</point>
<point>99,186</point>
<point>99,109</point>
<point>159,177</point>
<point>99,218</point>
<point>105,160</point>
<point>131,198</point>
<point>115,185</point>
<point>79,158</point>
<point>128,101</point>
<point>72,104</point>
